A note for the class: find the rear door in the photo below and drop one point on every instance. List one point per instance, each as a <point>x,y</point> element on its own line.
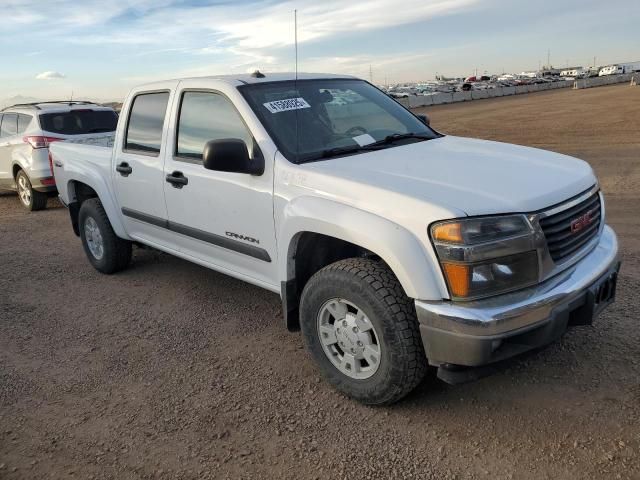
<point>137,169</point>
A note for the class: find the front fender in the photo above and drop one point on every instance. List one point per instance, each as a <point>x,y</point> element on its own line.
<point>400,249</point>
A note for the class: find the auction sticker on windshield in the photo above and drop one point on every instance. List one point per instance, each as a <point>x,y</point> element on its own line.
<point>286,105</point>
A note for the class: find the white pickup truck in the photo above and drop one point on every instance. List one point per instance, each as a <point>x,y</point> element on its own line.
<point>393,247</point>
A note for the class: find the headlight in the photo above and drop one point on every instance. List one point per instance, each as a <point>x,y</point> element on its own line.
<point>486,256</point>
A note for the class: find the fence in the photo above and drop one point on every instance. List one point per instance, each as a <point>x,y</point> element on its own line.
<point>604,80</point>
<point>441,98</point>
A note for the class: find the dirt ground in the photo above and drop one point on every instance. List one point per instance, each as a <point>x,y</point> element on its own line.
<point>169,370</point>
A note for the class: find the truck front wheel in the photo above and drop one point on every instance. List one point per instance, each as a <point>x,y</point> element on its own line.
<point>361,330</point>
<point>107,252</point>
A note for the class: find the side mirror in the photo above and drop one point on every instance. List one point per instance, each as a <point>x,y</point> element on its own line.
<point>231,155</point>
<point>424,119</point>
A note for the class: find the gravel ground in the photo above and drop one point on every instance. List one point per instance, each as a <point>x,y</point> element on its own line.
<point>169,370</point>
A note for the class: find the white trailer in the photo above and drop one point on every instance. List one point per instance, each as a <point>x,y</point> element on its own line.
<point>620,68</point>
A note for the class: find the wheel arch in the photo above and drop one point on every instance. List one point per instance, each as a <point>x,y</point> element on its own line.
<point>317,232</point>
<point>78,191</point>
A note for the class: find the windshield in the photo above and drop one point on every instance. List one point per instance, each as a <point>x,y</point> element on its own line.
<point>316,119</point>
<point>79,122</point>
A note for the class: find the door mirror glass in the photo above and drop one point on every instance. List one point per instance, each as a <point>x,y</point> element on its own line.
<point>231,155</point>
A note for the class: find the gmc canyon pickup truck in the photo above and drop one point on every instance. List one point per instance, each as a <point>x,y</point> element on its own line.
<point>393,247</point>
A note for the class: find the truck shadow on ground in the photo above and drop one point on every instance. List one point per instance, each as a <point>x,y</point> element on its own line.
<point>259,313</point>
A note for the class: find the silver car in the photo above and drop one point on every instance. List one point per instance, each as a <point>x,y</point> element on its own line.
<point>26,130</point>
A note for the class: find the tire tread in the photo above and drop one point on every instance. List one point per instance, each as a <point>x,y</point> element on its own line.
<point>117,254</point>
<point>409,370</point>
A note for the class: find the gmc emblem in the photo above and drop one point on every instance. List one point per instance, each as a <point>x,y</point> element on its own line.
<point>581,222</point>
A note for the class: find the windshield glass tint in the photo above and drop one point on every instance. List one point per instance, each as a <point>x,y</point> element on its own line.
<point>79,122</point>
<point>309,117</point>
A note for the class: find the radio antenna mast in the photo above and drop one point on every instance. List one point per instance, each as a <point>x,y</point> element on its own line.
<point>295,27</point>
<point>295,42</point>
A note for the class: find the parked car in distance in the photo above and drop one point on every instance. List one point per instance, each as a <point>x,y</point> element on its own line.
<point>27,130</point>
<point>392,246</point>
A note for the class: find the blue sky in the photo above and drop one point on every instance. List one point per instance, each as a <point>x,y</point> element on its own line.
<point>100,48</point>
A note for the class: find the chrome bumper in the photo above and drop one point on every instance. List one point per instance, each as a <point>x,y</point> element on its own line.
<point>484,331</point>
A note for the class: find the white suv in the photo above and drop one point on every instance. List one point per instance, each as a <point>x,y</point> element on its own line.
<point>26,130</point>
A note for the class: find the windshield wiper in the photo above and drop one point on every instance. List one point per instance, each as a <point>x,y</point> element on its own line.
<point>389,139</point>
<point>398,136</point>
<point>334,152</point>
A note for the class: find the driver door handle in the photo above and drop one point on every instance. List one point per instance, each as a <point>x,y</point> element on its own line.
<point>125,169</point>
<point>177,179</point>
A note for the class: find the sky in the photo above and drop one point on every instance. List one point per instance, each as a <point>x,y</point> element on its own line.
<point>98,49</point>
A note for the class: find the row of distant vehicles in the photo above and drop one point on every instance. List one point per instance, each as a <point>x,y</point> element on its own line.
<point>485,82</point>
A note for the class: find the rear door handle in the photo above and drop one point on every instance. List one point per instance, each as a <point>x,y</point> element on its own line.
<point>177,179</point>
<point>125,169</point>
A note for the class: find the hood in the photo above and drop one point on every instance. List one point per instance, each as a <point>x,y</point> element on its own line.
<point>478,177</point>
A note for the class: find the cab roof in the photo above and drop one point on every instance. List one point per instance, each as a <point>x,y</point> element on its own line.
<point>252,78</point>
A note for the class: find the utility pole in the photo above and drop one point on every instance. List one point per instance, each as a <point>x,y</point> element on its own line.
<point>370,74</point>
<point>594,61</point>
<point>549,58</point>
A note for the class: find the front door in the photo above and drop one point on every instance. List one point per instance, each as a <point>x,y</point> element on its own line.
<point>224,219</point>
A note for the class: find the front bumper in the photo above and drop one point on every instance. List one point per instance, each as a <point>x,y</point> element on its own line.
<point>485,331</point>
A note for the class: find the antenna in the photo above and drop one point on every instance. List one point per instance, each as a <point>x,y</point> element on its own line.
<point>295,41</point>
<point>549,58</point>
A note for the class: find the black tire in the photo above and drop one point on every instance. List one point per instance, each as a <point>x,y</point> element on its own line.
<point>116,254</point>
<point>36,200</point>
<point>373,287</point>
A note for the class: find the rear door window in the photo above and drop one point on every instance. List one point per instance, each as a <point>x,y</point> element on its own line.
<point>9,125</point>
<point>79,122</point>
<point>23,122</point>
<point>146,120</point>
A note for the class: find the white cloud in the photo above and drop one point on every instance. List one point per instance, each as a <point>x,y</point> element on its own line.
<point>176,38</point>
<point>245,26</point>
<point>50,75</point>
<point>273,26</point>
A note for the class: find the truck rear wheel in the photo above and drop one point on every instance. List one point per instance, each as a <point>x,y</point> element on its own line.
<point>362,331</point>
<point>107,252</point>
<point>29,197</point>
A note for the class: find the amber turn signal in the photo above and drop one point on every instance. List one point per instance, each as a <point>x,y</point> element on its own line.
<point>458,277</point>
<point>448,232</point>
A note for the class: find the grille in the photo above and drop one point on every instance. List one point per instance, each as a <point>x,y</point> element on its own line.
<point>570,230</point>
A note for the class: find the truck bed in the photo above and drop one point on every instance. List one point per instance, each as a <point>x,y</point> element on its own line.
<point>80,162</point>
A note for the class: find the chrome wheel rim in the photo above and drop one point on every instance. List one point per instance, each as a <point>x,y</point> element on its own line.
<point>94,238</point>
<point>348,339</point>
<point>24,191</point>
